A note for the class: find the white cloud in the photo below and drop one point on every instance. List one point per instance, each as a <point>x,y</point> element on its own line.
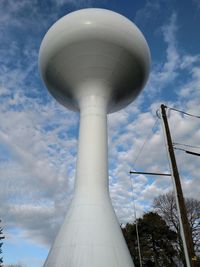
<point>166,72</point>
<point>41,162</point>
<point>41,139</point>
<point>189,60</point>
<point>169,32</point>
<point>77,3</point>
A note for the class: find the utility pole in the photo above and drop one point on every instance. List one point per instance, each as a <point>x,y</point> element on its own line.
<point>180,203</point>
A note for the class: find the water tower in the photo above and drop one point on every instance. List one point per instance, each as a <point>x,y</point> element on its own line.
<point>93,61</point>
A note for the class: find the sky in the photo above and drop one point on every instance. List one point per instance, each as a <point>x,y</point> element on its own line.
<point>38,136</point>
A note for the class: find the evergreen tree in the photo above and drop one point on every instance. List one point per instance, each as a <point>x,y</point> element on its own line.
<point>156,241</point>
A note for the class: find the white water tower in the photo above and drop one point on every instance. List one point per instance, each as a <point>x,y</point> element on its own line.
<point>93,61</point>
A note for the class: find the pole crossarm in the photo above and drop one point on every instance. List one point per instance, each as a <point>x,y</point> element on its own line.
<point>192,153</point>
<point>151,173</point>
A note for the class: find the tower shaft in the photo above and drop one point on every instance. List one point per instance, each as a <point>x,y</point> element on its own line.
<point>91,235</point>
<point>92,160</point>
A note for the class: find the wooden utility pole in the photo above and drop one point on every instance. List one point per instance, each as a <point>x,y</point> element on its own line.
<point>180,203</point>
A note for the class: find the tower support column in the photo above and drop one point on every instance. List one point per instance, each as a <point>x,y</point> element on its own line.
<point>90,235</point>
<point>92,159</point>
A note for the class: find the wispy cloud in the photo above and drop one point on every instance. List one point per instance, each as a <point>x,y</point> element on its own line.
<point>148,12</point>
<point>77,3</point>
<point>197,2</point>
<point>166,72</point>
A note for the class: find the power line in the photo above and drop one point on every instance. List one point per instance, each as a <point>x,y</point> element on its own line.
<point>145,141</point>
<point>181,149</point>
<point>136,223</point>
<point>183,112</point>
<point>179,144</point>
<point>186,145</point>
<point>178,110</point>
<point>187,151</point>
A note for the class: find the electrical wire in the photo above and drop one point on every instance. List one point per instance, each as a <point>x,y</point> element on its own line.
<point>181,149</point>
<point>186,145</point>
<point>183,112</point>
<point>179,144</point>
<point>136,223</point>
<point>187,151</point>
<point>158,113</point>
<point>145,141</point>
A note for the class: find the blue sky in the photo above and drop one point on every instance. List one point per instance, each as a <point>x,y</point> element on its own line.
<point>38,137</point>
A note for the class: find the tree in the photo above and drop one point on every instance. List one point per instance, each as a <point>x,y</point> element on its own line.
<point>156,241</point>
<point>1,243</point>
<point>165,206</point>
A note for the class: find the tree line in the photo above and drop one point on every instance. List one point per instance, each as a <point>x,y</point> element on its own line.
<point>1,243</point>
<point>159,234</point>
<point>1,258</point>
